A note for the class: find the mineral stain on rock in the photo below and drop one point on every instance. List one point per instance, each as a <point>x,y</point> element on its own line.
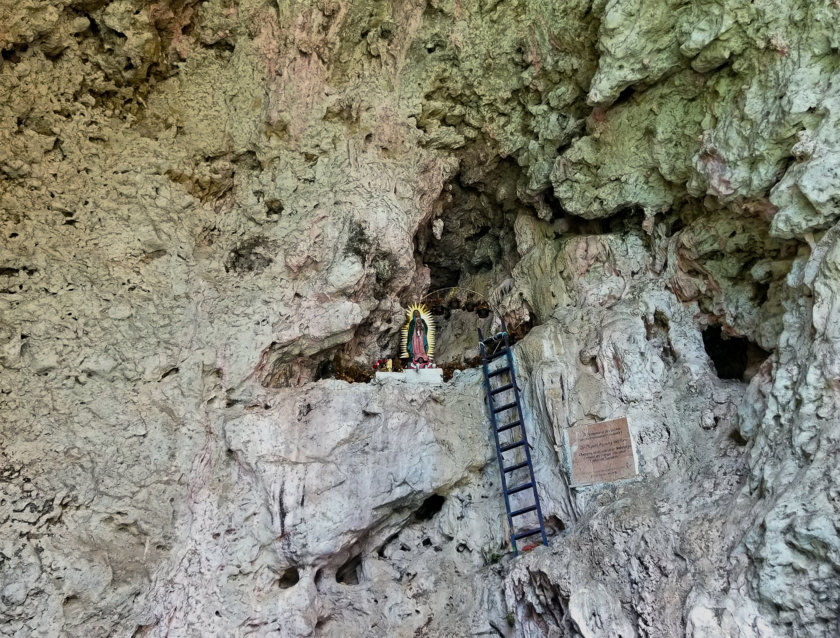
<point>212,215</point>
<point>250,256</point>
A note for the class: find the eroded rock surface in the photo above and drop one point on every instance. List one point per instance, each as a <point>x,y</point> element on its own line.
<point>210,209</point>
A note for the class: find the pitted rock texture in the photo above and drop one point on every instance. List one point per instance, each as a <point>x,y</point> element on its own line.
<point>208,209</point>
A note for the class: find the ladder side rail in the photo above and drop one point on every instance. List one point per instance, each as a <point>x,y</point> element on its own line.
<point>499,457</point>
<point>519,417</point>
<point>527,447</point>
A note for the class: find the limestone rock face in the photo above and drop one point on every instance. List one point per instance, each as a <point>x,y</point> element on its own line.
<point>212,214</point>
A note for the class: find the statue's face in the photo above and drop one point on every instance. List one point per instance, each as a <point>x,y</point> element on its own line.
<point>416,314</point>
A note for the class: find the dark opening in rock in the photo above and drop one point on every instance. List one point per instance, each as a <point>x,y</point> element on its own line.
<point>625,96</point>
<point>14,55</point>
<point>350,572</point>
<point>443,277</point>
<point>733,357</point>
<point>273,208</point>
<point>429,508</point>
<point>325,370</point>
<point>554,525</point>
<point>289,578</point>
<point>466,236</point>
<point>728,354</point>
<point>736,436</point>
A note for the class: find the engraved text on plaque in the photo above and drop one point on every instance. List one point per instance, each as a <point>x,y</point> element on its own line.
<point>601,452</point>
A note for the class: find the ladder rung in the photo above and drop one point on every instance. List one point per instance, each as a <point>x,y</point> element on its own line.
<point>524,510</point>
<point>496,355</point>
<point>509,386</point>
<point>518,466</point>
<point>519,488</point>
<point>496,372</point>
<point>510,446</point>
<point>508,426</point>
<point>496,337</point>
<point>507,406</point>
<point>530,532</point>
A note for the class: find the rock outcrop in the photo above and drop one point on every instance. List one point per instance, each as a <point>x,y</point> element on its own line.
<point>212,214</point>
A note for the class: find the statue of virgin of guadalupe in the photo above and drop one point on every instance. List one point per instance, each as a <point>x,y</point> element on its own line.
<point>418,335</point>
<point>418,338</point>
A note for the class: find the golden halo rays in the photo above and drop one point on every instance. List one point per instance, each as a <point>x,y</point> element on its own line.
<point>430,322</point>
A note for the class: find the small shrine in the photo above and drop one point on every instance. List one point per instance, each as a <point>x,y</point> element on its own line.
<point>418,347</point>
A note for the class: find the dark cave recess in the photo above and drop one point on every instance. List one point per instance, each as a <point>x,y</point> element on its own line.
<point>736,358</point>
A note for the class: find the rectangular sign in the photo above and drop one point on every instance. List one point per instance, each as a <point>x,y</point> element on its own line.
<point>601,452</point>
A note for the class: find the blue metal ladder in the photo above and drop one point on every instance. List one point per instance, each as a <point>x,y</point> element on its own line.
<point>510,468</point>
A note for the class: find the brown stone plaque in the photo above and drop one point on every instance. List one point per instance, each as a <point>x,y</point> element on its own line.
<point>601,452</point>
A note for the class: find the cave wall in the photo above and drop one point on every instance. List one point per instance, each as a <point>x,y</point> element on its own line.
<point>201,203</point>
